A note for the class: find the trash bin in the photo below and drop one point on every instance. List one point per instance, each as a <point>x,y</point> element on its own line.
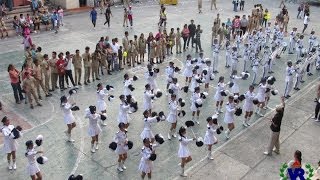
<point>170,2</point>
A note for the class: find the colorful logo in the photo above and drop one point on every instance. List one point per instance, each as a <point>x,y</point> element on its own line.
<point>287,173</point>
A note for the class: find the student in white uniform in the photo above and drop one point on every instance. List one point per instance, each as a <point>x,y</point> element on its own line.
<point>122,146</point>
<point>255,69</point>
<point>215,49</point>
<point>94,129</point>
<point>101,104</point>
<point>235,89</point>
<point>123,116</point>
<point>246,52</point>
<point>229,116</point>
<point>173,116</point>
<point>234,59</point>
<point>218,97</point>
<point>146,165</point>
<point>292,40</point>
<point>32,167</point>
<point>183,151</point>
<point>68,116</point>
<point>200,63</point>
<point>248,106</point>
<point>147,131</point>
<point>194,98</point>
<point>312,40</point>
<point>169,74</point>
<point>261,96</point>
<point>207,75</point>
<point>147,98</point>
<point>289,79</point>
<point>10,145</point>
<point>175,87</point>
<point>209,138</point>
<point>268,32</point>
<point>194,80</point>
<point>151,76</point>
<point>127,82</point>
<point>299,46</point>
<point>188,69</point>
<point>228,54</point>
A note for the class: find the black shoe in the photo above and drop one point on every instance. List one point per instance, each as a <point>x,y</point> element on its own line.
<point>290,53</point>
<point>85,83</point>
<point>51,90</point>
<point>109,73</point>
<point>40,97</point>
<point>302,81</point>
<point>88,81</point>
<point>18,102</point>
<point>57,87</point>
<point>98,79</point>
<point>79,84</point>
<point>48,95</point>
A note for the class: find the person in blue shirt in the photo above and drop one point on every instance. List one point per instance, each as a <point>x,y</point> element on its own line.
<point>93,15</point>
<point>54,21</point>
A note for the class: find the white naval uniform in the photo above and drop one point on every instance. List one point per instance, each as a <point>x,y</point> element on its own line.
<point>146,165</point>
<point>289,80</point>
<point>209,137</point>
<point>215,50</point>
<point>268,34</point>
<point>173,112</point>
<point>123,113</point>
<point>9,144</point>
<point>194,98</point>
<point>201,64</point>
<point>126,90</point>
<point>121,140</point>
<point>299,48</point>
<point>169,74</point>
<point>220,87</point>
<point>246,53</point>
<point>248,105</point>
<point>101,104</point>
<point>32,167</point>
<point>194,82</point>
<point>235,88</point>
<point>234,60</point>
<point>67,113</point>
<point>94,128</point>
<point>147,99</point>
<point>255,68</point>
<point>261,95</point>
<point>228,56</point>
<point>292,41</point>
<point>147,132</point>
<point>176,89</point>
<point>151,80</point>
<point>312,40</point>
<point>183,151</point>
<point>209,75</point>
<point>229,116</point>
<point>188,69</point>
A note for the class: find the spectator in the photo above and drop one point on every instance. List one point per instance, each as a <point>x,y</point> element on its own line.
<point>306,9</point>
<point>192,30</point>
<point>3,28</point>
<point>60,65</point>
<point>300,9</point>
<point>9,4</point>
<point>54,21</point>
<point>29,22</point>
<point>198,39</point>
<point>34,6</point>
<point>68,70</point>
<point>266,17</point>
<point>36,23</point>
<point>60,16</point>
<point>275,129</point>
<point>285,22</point>
<point>185,34</point>
<point>14,75</point>
<point>235,5</point>
<point>29,84</point>
<point>244,24</point>
<point>45,19</point>
<point>108,15</point>
<point>241,5</point>
<point>317,108</point>
<point>93,16</point>
<point>305,22</point>
<point>3,10</point>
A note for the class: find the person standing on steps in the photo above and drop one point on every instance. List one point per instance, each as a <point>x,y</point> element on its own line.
<point>275,129</point>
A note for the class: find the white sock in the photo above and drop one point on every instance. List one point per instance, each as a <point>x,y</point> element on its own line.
<point>228,131</point>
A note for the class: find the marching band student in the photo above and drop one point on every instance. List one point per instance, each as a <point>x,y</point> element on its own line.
<point>266,60</point>
<point>200,63</point>
<point>169,74</point>
<point>207,75</point>
<point>151,76</point>
<point>194,98</point>
<point>122,147</point>
<point>32,167</point>
<point>209,138</point>
<point>299,47</point>
<point>94,128</point>
<point>194,81</point>
<point>312,40</point>
<point>229,116</point>
<point>218,97</point>
<point>147,98</point>
<point>235,78</point>
<point>188,69</point>
<point>299,74</point>
<point>9,144</point>
<point>248,106</point>
<point>173,116</point>
<point>268,95</point>
<point>292,41</point>
<point>101,104</point>
<point>175,87</point>
<point>289,79</point>
<point>246,52</point>
<point>279,40</point>
<point>261,96</point>
<point>146,165</point>
<point>255,68</point>
<point>147,132</point>
<point>234,59</point>
<point>215,49</point>
<point>127,82</point>
<point>183,151</point>
<point>228,54</point>
<point>123,116</point>
<point>68,116</point>
<point>268,32</point>
<point>238,40</point>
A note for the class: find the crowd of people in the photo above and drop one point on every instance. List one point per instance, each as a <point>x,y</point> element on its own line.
<point>255,41</point>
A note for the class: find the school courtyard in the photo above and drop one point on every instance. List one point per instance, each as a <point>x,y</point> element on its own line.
<point>241,157</point>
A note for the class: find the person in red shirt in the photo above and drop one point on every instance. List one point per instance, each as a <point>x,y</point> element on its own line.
<point>61,64</point>
<point>15,83</point>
